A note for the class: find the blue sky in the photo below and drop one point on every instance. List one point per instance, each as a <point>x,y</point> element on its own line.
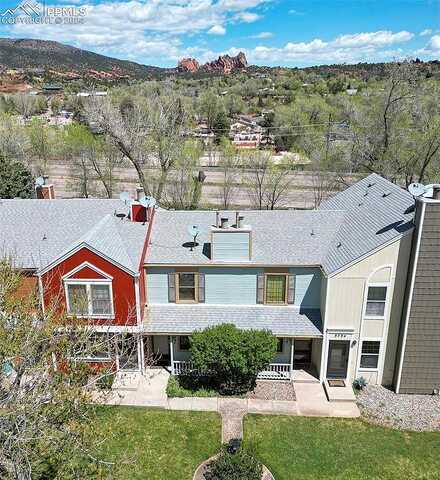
<point>270,32</point>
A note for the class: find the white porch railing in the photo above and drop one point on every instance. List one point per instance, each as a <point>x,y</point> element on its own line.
<point>275,371</point>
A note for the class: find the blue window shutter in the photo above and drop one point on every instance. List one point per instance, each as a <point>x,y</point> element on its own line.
<point>260,288</point>
<point>172,287</point>
<point>291,289</point>
<point>201,288</point>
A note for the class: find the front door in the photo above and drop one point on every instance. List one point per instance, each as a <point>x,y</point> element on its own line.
<point>161,349</point>
<point>338,351</point>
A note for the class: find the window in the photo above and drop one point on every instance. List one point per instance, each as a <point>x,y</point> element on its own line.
<point>280,345</point>
<point>77,299</point>
<point>370,354</point>
<point>276,288</point>
<point>187,287</point>
<point>89,299</point>
<point>376,301</point>
<point>96,346</point>
<point>184,343</point>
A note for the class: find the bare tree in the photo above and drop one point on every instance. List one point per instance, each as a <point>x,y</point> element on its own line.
<point>150,133</point>
<point>229,165</point>
<point>47,387</point>
<point>183,188</point>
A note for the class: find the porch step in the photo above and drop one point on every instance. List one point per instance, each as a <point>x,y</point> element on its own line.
<point>340,394</point>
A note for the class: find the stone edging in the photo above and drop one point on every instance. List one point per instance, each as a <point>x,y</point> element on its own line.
<point>198,474</point>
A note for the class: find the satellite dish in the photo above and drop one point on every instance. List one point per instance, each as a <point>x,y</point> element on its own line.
<point>144,201</point>
<point>39,181</point>
<point>124,196</point>
<point>417,189</point>
<point>193,230</point>
<point>151,202</point>
<point>429,191</point>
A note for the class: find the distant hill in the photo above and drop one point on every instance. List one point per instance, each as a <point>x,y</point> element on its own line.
<point>45,54</point>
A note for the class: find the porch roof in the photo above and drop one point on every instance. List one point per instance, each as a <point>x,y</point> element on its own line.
<point>287,321</point>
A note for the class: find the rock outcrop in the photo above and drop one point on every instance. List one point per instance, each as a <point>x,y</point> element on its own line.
<point>188,65</point>
<point>224,64</point>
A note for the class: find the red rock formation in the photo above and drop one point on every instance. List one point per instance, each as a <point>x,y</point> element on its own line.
<point>188,65</point>
<point>224,64</point>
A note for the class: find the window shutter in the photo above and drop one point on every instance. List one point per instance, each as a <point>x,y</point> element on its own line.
<point>291,289</point>
<point>201,288</point>
<point>260,288</point>
<point>172,287</point>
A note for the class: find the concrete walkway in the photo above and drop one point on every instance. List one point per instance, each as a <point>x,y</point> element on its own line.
<point>149,390</point>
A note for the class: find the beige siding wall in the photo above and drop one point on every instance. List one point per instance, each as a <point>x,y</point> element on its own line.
<point>346,293</point>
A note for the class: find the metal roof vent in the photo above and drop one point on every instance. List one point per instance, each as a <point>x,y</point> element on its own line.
<point>339,245</point>
<point>386,194</point>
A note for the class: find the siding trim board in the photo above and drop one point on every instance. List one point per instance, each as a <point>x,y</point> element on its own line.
<point>410,295</point>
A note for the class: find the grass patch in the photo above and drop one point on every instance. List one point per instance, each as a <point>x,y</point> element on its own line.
<point>190,386</point>
<point>317,449</point>
<point>156,444</point>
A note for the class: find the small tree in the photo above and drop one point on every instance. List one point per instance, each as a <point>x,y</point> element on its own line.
<point>16,179</point>
<point>232,357</point>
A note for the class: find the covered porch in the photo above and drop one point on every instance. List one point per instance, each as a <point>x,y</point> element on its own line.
<point>297,359</point>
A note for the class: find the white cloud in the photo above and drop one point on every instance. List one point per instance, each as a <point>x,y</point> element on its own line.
<point>425,33</point>
<point>366,46</point>
<point>217,30</point>
<point>294,12</point>
<point>434,43</point>
<point>262,35</point>
<point>247,17</point>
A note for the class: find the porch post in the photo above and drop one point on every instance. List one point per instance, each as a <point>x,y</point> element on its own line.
<point>292,351</point>
<point>172,354</point>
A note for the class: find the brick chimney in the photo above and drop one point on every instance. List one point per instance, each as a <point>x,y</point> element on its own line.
<point>44,189</point>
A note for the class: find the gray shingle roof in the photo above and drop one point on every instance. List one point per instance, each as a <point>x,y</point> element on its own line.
<point>281,320</point>
<point>376,212</point>
<point>34,232</point>
<point>280,237</point>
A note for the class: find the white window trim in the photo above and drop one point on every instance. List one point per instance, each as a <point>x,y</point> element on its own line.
<point>91,266</point>
<point>88,284</point>
<point>379,355</point>
<point>385,311</point>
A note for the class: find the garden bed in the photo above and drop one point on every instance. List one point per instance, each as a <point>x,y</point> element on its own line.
<point>404,412</point>
<point>192,386</point>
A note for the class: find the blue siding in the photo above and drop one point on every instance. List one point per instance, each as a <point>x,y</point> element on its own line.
<point>157,285</point>
<point>230,246</point>
<point>231,285</point>
<point>307,287</point>
<point>237,285</point>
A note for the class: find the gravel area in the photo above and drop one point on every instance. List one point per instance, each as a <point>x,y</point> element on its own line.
<point>404,412</point>
<point>273,390</point>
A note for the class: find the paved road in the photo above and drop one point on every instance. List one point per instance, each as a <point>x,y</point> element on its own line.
<point>300,195</point>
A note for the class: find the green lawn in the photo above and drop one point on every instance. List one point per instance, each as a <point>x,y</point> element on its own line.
<point>299,448</point>
<point>151,444</point>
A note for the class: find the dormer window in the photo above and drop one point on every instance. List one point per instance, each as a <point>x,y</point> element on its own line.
<point>89,298</point>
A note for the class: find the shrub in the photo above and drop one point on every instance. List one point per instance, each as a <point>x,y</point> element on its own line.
<point>105,379</point>
<point>360,383</point>
<point>239,466</point>
<point>189,386</point>
<point>232,357</point>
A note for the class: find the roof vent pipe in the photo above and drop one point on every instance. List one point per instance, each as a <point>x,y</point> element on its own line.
<point>240,222</point>
<point>236,219</point>
<point>436,192</point>
<point>217,219</point>
<point>224,222</point>
<point>139,193</point>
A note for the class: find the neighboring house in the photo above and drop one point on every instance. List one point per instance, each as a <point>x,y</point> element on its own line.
<point>245,132</point>
<point>329,283</point>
